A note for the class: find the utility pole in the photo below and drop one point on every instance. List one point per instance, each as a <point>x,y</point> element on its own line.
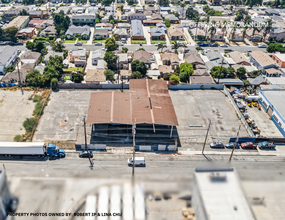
<point>134,144</point>
<point>220,71</point>
<point>206,136</point>
<point>19,76</point>
<point>235,143</point>
<point>122,83</point>
<point>85,133</point>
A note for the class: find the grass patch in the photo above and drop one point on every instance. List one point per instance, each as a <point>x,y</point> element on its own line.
<point>66,77</point>
<point>69,41</point>
<point>138,41</point>
<point>83,41</point>
<point>158,42</point>
<point>38,109</point>
<point>152,26</point>
<point>29,124</point>
<point>37,98</point>
<point>70,69</point>
<point>18,138</point>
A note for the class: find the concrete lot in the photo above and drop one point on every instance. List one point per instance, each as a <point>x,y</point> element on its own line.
<point>193,109</point>
<point>263,122</point>
<point>63,116</point>
<point>15,108</point>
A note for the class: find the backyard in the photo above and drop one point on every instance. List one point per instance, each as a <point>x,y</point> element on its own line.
<point>71,69</point>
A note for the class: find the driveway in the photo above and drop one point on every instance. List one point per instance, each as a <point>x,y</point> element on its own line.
<point>89,63</point>
<point>147,35</point>
<point>168,43</point>
<point>188,37</point>
<point>91,36</point>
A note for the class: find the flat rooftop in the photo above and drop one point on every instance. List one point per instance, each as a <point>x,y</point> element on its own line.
<point>275,97</point>
<point>222,196</point>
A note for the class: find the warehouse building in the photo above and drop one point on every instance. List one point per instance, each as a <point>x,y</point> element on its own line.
<point>272,102</point>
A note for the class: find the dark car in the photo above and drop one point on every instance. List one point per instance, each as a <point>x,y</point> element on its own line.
<point>98,44</point>
<point>12,43</point>
<point>214,45</point>
<point>228,50</point>
<point>19,43</point>
<point>140,44</point>
<point>86,154</point>
<point>231,145</point>
<point>217,145</point>
<point>2,43</point>
<point>203,45</point>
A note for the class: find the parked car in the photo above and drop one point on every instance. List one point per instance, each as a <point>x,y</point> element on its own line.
<point>203,45</point>
<point>228,50</point>
<point>47,43</point>
<point>214,45</point>
<point>78,44</point>
<point>80,48</point>
<point>139,161</point>
<point>248,51</point>
<point>86,154</point>
<point>231,145</point>
<point>262,46</point>
<point>121,44</point>
<point>2,43</point>
<point>19,43</point>
<point>140,44</point>
<point>156,45</point>
<point>11,43</point>
<point>103,49</point>
<point>217,145</point>
<point>248,145</point>
<point>266,145</point>
<point>98,44</point>
<point>180,44</point>
<point>224,45</point>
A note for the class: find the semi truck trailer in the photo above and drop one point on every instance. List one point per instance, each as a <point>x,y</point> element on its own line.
<point>30,149</point>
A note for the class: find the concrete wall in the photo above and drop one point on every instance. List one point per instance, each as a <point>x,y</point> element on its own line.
<point>91,86</point>
<point>196,86</point>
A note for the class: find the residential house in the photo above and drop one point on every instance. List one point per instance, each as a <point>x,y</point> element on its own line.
<point>157,33</point>
<point>46,23</point>
<point>19,22</point>
<point>74,30</point>
<point>105,19</point>
<point>198,32</point>
<point>28,32</point>
<point>36,14</point>
<point>149,1</point>
<point>165,9</point>
<point>126,74</point>
<point>142,56</point>
<point>124,25</point>
<point>136,16</point>
<point>8,55</point>
<point>123,61</point>
<point>152,22</point>
<point>35,23</point>
<point>52,54</point>
<point>28,66</point>
<point>77,10</point>
<point>235,36</point>
<point>218,36</point>
<point>271,12</point>
<point>93,10</point>
<point>84,19</point>
<point>215,59</point>
<point>126,8</point>
<point>65,9</point>
<point>279,59</point>
<point>48,31</point>
<point>139,9</point>
<point>153,74</point>
<point>122,33</point>
<point>173,19</point>
<point>14,12</point>
<point>110,9</point>
<point>273,72</point>
<point>13,77</point>
<point>216,2</point>
<point>150,8</point>
<point>95,76</point>
<point>137,30</point>
<point>31,57</point>
<point>170,59</point>
<point>97,55</point>
<point>164,70</point>
<point>194,58</point>
<point>239,58</point>
<point>107,26</point>
<point>101,34</point>
<point>277,34</point>
<point>257,37</point>
<point>175,34</point>
<point>257,81</point>
<point>78,57</point>
<point>262,61</point>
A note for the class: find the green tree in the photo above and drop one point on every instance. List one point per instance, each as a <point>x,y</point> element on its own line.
<point>98,18</point>
<point>124,49</point>
<point>254,74</point>
<point>274,47</point>
<point>2,33</point>
<point>136,65</point>
<point>11,32</point>
<point>29,124</point>
<point>175,46</point>
<point>191,13</point>
<point>130,2</point>
<point>141,49</point>
<point>136,75</point>
<point>217,73</point>
<point>50,73</point>
<point>39,46</point>
<point>174,79</point>
<point>163,2</point>
<point>231,72</point>
<point>33,78</point>
<point>199,48</point>
<point>268,27</point>
<point>9,69</point>
<point>247,19</point>
<point>241,72</point>
<point>24,12</point>
<point>110,58</point>
<point>111,19</point>
<point>76,77</point>
<point>18,138</point>
<point>161,46</point>
<point>111,44</point>
<point>246,82</point>
<point>186,70</point>
<point>57,46</point>
<point>251,3</point>
<point>167,22</point>
<point>109,75</point>
<point>56,62</point>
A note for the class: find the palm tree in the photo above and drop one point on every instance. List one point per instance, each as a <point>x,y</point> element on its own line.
<point>244,31</point>
<point>212,30</point>
<point>175,46</point>
<point>197,20</point>
<point>224,27</point>
<point>268,27</point>
<point>182,5</point>
<point>234,30</point>
<point>161,46</point>
<point>255,28</point>
<point>207,20</point>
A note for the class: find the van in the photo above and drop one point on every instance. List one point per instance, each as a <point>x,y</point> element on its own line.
<point>139,161</point>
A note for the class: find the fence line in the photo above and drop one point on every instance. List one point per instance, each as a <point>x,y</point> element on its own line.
<point>91,86</point>
<point>196,86</point>
<point>240,115</point>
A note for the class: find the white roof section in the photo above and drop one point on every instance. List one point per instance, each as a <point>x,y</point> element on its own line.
<point>276,80</point>
<point>153,73</point>
<point>250,68</point>
<point>204,58</point>
<point>281,56</point>
<point>229,60</point>
<point>22,144</point>
<point>274,98</point>
<point>222,199</point>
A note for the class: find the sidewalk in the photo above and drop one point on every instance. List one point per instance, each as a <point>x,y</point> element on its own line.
<point>91,36</point>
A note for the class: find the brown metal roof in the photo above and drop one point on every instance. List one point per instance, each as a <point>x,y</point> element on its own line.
<point>148,102</point>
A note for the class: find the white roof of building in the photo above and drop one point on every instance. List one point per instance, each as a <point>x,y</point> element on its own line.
<point>153,73</point>
<point>250,68</point>
<point>276,80</point>
<point>229,60</point>
<point>281,56</point>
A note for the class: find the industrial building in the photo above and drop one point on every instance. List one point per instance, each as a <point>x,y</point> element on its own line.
<point>272,101</point>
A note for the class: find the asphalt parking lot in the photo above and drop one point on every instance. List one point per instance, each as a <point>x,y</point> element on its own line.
<point>63,116</point>
<point>15,108</point>
<point>193,109</point>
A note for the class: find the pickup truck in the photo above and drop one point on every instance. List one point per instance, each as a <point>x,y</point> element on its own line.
<point>266,145</point>
<point>248,145</point>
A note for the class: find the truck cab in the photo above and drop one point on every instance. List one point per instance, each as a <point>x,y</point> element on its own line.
<point>54,151</point>
<point>139,161</point>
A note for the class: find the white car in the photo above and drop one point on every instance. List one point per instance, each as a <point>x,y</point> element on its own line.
<point>121,44</point>
<point>262,46</point>
<point>224,45</point>
<point>156,45</point>
<point>103,49</point>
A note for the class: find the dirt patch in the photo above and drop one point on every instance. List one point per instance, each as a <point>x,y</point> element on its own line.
<point>67,145</point>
